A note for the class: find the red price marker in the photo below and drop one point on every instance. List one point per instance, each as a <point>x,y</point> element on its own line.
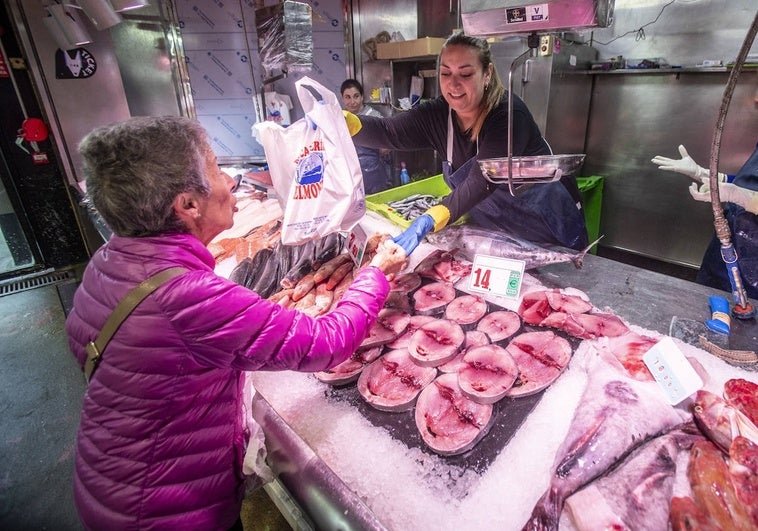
<point>497,276</point>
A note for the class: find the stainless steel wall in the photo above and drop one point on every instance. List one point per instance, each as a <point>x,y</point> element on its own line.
<point>636,116</point>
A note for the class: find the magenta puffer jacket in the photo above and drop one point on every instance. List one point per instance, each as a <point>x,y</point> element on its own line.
<point>161,439</point>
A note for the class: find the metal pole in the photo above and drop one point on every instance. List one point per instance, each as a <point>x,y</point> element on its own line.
<point>743,309</point>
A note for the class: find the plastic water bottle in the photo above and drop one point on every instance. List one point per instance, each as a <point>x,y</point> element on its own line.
<point>404,177</point>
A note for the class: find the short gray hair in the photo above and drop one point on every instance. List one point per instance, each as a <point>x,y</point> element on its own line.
<point>135,169</point>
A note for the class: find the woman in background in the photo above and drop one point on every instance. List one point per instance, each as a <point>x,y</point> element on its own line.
<point>374,162</point>
<point>161,438</point>
<point>468,122</point>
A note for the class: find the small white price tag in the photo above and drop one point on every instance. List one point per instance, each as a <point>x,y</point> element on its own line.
<point>497,276</point>
<point>356,244</point>
<point>672,371</point>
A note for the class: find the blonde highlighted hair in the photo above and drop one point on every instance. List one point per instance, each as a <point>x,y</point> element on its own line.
<point>494,90</point>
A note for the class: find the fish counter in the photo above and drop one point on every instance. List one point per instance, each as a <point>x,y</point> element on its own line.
<point>351,466</point>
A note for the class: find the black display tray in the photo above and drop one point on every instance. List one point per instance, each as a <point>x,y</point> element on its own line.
<point>508,414</point>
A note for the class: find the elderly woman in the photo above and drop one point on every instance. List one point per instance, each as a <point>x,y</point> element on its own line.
<point>467,123</point>
<point>161,438</point>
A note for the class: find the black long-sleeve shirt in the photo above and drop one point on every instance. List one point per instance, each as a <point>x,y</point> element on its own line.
<point>426,126</point>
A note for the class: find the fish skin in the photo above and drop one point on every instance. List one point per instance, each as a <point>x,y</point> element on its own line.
<point>304,286</point>
<point>743,469</point>
<point>743,395</point>
<point>636,493</point>
<point>267,280</point>
<point>715,418</point>
<point>241,271</point>
<point>324,299</point>
<point>326,270</point>
<point>686,515</point>
<point>470,241</point>
<point>712,488</point>
<point>615,415</point>
<point>338,275</point>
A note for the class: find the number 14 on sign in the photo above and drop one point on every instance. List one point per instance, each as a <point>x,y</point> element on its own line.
<point>496,276</point>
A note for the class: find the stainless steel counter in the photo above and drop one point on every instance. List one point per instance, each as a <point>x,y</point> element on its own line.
<point>642,298</point>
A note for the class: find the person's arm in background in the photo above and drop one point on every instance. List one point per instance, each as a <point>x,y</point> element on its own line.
<point>419,128</point>
<point>700,189</point>
<point>686,166</point>
<point>729,193</point>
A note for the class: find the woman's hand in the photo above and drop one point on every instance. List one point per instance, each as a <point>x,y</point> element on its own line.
<point>390,258</point>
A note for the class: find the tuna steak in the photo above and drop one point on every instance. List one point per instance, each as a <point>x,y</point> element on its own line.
<point>433,298</point>
<point>474,338</point>
<point>390,323</point>
<point>342,374</point>
<point>436,342</point>
<point>450,423</point>
<point>541,357</point>
<point>487,373</point>
<point>416,322</point>
<point>466,310</point>
<point>499,325</point>
<point>405,283</point>
<point>743,395</point>
<point>393,382</point>
<point>443,266</point>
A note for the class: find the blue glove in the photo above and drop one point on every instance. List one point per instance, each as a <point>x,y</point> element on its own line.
<point>410,238</point>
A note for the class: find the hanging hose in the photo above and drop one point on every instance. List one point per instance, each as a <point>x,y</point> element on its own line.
<point>742,307</point>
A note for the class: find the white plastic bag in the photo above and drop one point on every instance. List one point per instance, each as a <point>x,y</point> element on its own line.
<point>314,168</point>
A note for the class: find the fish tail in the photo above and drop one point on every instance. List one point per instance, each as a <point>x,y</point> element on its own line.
<point>546,513</point>
<point>578,259</point>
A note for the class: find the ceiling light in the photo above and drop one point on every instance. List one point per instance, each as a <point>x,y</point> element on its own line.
<point>126,5</point>
<point>65,27</point>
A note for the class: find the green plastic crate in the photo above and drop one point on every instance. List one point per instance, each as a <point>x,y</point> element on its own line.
<point>591,190</point>
<point>378,202</point>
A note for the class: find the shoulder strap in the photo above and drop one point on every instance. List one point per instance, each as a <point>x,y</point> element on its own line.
<point>121,312</point>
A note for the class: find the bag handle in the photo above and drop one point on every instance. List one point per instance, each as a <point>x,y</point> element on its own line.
<point>311,92</point>
<point>132,299</point>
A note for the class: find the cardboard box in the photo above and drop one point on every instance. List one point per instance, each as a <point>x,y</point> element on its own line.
<point>406,49</point>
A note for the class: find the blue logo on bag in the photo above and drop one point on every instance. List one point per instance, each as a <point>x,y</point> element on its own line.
<point>310,168</point>
<point>309,175</point>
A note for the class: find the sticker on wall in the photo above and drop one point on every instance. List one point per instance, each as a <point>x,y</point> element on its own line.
<point>74,64</point>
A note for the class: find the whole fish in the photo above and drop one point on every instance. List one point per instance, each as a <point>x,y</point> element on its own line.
<point>616,414</point>
<point>471,241</point>
<point>743,469</point>
<point>637,493</point>
<point>713,489</point>
<point>267,278</point>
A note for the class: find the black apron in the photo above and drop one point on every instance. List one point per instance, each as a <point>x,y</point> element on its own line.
<point>544,213</point>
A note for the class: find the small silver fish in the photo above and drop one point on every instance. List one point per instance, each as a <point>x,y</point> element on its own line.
<point>471,241</point>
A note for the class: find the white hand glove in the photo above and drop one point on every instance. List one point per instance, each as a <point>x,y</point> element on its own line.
<point>728,193</point>
<point>686,165</point>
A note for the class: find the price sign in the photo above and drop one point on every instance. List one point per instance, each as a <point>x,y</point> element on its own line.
<point>356,244</point>
<point>672,371</point>
<point>497,276</point>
